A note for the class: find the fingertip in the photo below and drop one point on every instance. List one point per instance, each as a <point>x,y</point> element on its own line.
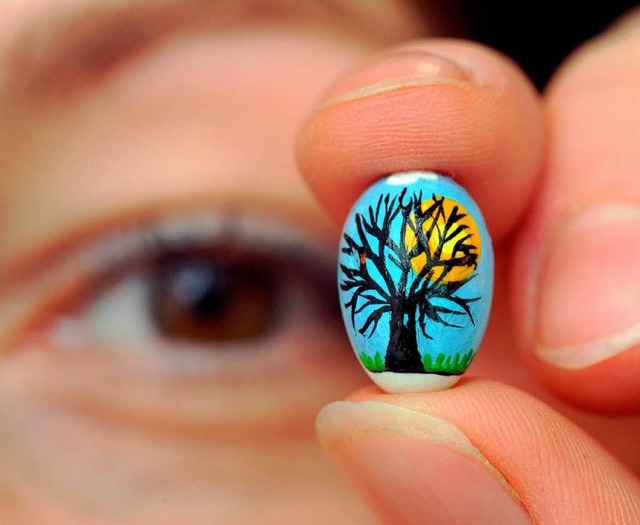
<point>442,105</point>
<point>576,284</point>
<point>412,467</point>
<point>558,473</point>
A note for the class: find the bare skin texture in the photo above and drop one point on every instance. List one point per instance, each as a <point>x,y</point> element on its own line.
<point>118,122</point>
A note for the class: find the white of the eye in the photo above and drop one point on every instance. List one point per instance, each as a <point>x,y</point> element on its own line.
<point>121,312</point>
<point>120,318</point>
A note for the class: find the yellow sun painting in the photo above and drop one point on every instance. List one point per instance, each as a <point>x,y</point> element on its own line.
<point>451,237</point>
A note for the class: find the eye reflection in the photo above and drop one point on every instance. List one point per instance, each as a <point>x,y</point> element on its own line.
<point>199,298</point>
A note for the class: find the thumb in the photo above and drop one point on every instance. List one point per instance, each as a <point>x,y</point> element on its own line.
<point>482,453</point>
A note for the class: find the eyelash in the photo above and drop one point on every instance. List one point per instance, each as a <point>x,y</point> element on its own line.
<point>287,252</point>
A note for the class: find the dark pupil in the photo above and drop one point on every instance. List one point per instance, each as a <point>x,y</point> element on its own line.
<point>199,298</point>
<point>201,288</point>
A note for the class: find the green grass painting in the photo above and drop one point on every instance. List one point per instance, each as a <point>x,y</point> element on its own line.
<point>441,364</point>
<point>373,364</point>
<point>449,365</point>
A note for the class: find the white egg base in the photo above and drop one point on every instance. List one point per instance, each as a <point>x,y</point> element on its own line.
<point>395,383</point>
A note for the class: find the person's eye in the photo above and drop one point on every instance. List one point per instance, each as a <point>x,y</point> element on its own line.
<point>211,287</point>
<point>188,296</point>
<point>200,297</point>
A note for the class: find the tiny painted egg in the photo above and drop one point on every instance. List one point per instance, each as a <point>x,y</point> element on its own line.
<point>415,279</point>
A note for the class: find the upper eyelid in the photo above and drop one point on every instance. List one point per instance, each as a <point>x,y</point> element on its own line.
<point>222,228</point>
<point>92,241</point>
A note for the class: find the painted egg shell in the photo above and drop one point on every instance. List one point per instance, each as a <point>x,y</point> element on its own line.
<point>415,279</point>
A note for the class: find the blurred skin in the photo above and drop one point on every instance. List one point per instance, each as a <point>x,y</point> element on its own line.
<point>111,131</point>
<point>201,121</point>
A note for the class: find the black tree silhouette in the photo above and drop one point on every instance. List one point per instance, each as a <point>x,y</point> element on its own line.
<point>411,298</point>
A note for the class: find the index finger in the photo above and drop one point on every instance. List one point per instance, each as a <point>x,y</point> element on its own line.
<point>448,106</point>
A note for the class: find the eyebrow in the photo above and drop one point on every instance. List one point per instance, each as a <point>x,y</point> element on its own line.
<point>61,54</point>
<point>65,52</point>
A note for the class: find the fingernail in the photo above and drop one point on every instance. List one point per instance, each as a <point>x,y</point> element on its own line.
<point>399,70</point>
<point>415,468</point>
<point>589,297</point>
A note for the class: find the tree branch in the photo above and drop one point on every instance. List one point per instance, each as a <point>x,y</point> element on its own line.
<point>373,320</point>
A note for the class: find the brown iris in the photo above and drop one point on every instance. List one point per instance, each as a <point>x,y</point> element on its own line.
<point>200,298</point>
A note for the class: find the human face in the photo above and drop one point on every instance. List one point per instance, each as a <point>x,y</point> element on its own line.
<point>145,147</point>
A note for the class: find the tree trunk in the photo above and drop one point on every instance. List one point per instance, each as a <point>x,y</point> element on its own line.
<point>402,351</point>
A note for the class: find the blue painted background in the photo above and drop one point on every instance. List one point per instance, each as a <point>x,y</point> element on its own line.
<point>447,340</point>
